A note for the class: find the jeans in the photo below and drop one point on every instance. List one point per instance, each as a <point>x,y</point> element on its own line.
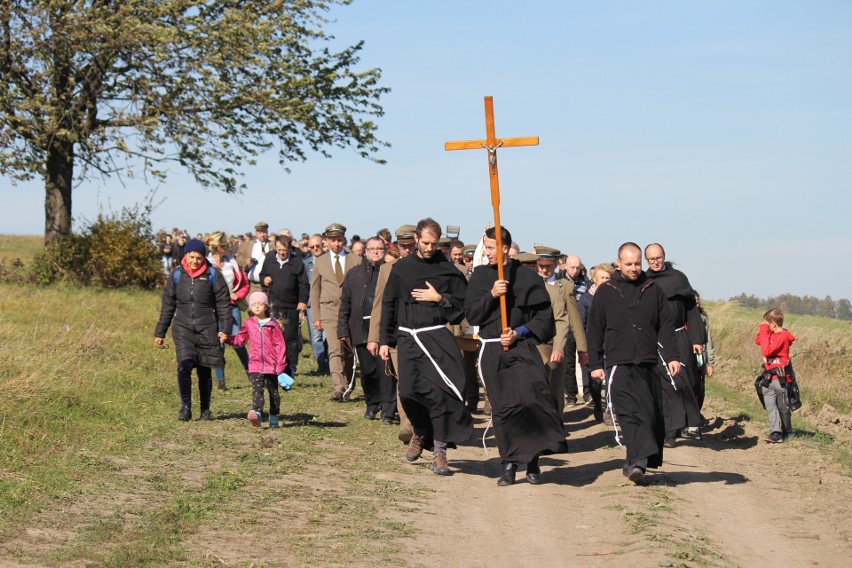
<point>318,346</point>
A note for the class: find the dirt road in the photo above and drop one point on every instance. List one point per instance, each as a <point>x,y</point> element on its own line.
<point>729,500</point>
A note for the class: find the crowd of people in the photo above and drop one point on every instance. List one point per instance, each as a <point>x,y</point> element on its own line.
<point>436,326</point>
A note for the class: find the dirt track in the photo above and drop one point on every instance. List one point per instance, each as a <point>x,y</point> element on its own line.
<point>730,500</point>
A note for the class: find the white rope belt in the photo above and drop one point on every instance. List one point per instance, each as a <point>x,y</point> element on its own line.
<point>609,404</point>
<point>414,333</point>
<point>666,367</point>
<point>351,386</point>
<point>681,328</point>
<point>482,343</point>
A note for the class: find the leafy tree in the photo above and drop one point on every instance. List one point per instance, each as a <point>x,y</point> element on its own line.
<point>208,84</point>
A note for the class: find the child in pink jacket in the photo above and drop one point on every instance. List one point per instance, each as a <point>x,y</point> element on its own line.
<point>267,357</point>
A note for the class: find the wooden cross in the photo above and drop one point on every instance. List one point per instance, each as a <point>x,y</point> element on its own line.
<point>490,144</point>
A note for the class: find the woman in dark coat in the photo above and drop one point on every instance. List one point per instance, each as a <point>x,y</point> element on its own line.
<point>196,304</point>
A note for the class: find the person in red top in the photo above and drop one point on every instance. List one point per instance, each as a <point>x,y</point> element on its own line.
<point>775,343</point>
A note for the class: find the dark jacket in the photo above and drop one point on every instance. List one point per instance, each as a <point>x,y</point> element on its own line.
<point>289,281</point>
<point>196,312</point>
<point>681,303</point>
<point>626,321</point>
<point>356,302</point>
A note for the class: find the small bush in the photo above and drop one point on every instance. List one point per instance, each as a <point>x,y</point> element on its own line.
<point>115,251</point>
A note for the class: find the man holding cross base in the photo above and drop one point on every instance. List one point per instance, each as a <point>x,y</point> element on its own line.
<point>626,322</point>
<point>425,292</point>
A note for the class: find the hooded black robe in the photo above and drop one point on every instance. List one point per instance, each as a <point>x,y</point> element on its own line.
<point>434,408</point>
<point>525,417</point>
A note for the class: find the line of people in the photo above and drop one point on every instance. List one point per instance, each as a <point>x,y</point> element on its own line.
<point>424,322</point>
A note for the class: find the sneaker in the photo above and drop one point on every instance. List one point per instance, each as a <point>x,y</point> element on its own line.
<point>637,476</point>
<point>439,464</point>
<point>693,432</point>
<point>205,415</point>
<point>587,399</point>
<point>415,448</point>
<point>185,414</point>
<point>273,422</point>
<point>775,438</point>
<point>255,416</point>
<point>221,386</point>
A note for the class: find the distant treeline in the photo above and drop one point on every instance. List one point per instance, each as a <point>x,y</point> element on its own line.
<point>801,305</point>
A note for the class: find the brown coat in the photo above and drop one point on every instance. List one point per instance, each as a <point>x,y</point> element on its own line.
<point>325,291</point>
<point>376,314</point>
<point>565,289</point>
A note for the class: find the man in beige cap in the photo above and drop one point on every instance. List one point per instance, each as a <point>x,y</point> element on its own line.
<point>259,248</point>
<point>567,316</point>
<point>406,243</point>
<point>326,289</point>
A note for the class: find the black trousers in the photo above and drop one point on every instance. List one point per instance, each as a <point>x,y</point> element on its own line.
<point>184,379</point>
<point>379,389</point>
<point>288,319</point>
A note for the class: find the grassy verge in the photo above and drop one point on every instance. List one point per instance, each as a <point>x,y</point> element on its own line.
<point>95,468</point>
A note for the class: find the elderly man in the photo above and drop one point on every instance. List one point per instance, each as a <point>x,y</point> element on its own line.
<point>627,322</point>
<point>326,289</point>
<point>680,406</point>
<point>358,248</point>
<point>356,307</point>
<point>568,324</point>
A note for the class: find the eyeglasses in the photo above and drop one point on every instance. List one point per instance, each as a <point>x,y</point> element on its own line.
<point>655,259</point>
<point>315,246</point>
<point>374,249</point>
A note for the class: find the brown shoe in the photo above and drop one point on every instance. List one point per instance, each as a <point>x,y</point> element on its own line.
<point>415,448</point>
<point>439,464</point>
<point>221,386</point>
<point>336,396</point>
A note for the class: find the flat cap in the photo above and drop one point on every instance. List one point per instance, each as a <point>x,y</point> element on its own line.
<point>405,234</point>
<point>547,252</point>
<point>261,226</point>
<point>526,258</point>
<point>334,229</point>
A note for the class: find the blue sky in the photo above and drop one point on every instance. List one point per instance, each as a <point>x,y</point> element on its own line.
<point>721,129</point>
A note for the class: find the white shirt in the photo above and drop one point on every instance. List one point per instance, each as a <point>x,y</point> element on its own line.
<point>258,252</point>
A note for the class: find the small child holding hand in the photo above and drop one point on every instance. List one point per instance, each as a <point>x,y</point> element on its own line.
<point>775,343</point>
<point>267,357</point>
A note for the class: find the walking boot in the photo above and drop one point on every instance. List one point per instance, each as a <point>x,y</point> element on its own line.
<point>637,476</point>
<point>415,448</point>
<point>534,472</point>
<point>439,464</point>
<point>185,414</point>
<point>508,475</point>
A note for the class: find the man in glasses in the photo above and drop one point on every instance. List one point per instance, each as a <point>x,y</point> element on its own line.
<point>356,305</point>
<point>680,407</point>
<point>318,345</point>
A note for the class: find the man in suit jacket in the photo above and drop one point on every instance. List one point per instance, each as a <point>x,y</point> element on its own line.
<point>326,288</point>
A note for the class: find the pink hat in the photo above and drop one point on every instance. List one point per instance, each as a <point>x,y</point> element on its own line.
<point>258,297</point>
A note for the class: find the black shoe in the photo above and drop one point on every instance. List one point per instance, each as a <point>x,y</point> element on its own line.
<point>572,401</point>
<point>387,421</point>
<point>534,472</point>
<point>508,475</point>
<point>775,438</point>
<point>587,398</point>
<point>637,476</point>
<point>669,443</point>
<point>598,412</point>
<point>205,415</point>
<point>185,414</point>
<point>370,414</point>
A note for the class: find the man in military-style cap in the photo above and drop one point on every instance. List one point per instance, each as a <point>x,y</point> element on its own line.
<point>568,322</point>
<point>326,289</point>
<point>259,248</point>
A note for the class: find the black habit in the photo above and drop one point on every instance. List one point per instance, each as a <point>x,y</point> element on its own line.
<point>526,420</point>
<point>435,409</point>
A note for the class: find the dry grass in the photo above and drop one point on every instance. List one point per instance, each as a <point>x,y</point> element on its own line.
<point>22,247</point>
<point>820,355</point>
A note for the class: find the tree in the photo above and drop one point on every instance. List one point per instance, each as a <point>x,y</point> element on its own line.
<point>128,87</point>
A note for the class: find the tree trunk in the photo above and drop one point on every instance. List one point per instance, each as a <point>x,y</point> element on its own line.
<point>57,185</point>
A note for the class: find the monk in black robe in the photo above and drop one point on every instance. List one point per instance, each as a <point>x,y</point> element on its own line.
<point>525,418</point>
<point>680,405</point>
<point>424,293</point>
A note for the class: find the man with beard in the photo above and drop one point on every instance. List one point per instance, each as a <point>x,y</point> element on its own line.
<point>627,322</point>
<point>524,414</point>
<point>679,403</point>
<point>424,293</point>
<point>356,305</point>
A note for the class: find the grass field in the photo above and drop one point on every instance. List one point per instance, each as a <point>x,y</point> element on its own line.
<point>88,405</point>
<point>22,247</point>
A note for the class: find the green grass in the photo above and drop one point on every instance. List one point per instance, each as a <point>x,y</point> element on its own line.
<point>22,247</point>
<point>89,439</point>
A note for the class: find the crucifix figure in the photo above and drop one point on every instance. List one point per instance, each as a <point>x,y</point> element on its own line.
<point>490,144</point>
